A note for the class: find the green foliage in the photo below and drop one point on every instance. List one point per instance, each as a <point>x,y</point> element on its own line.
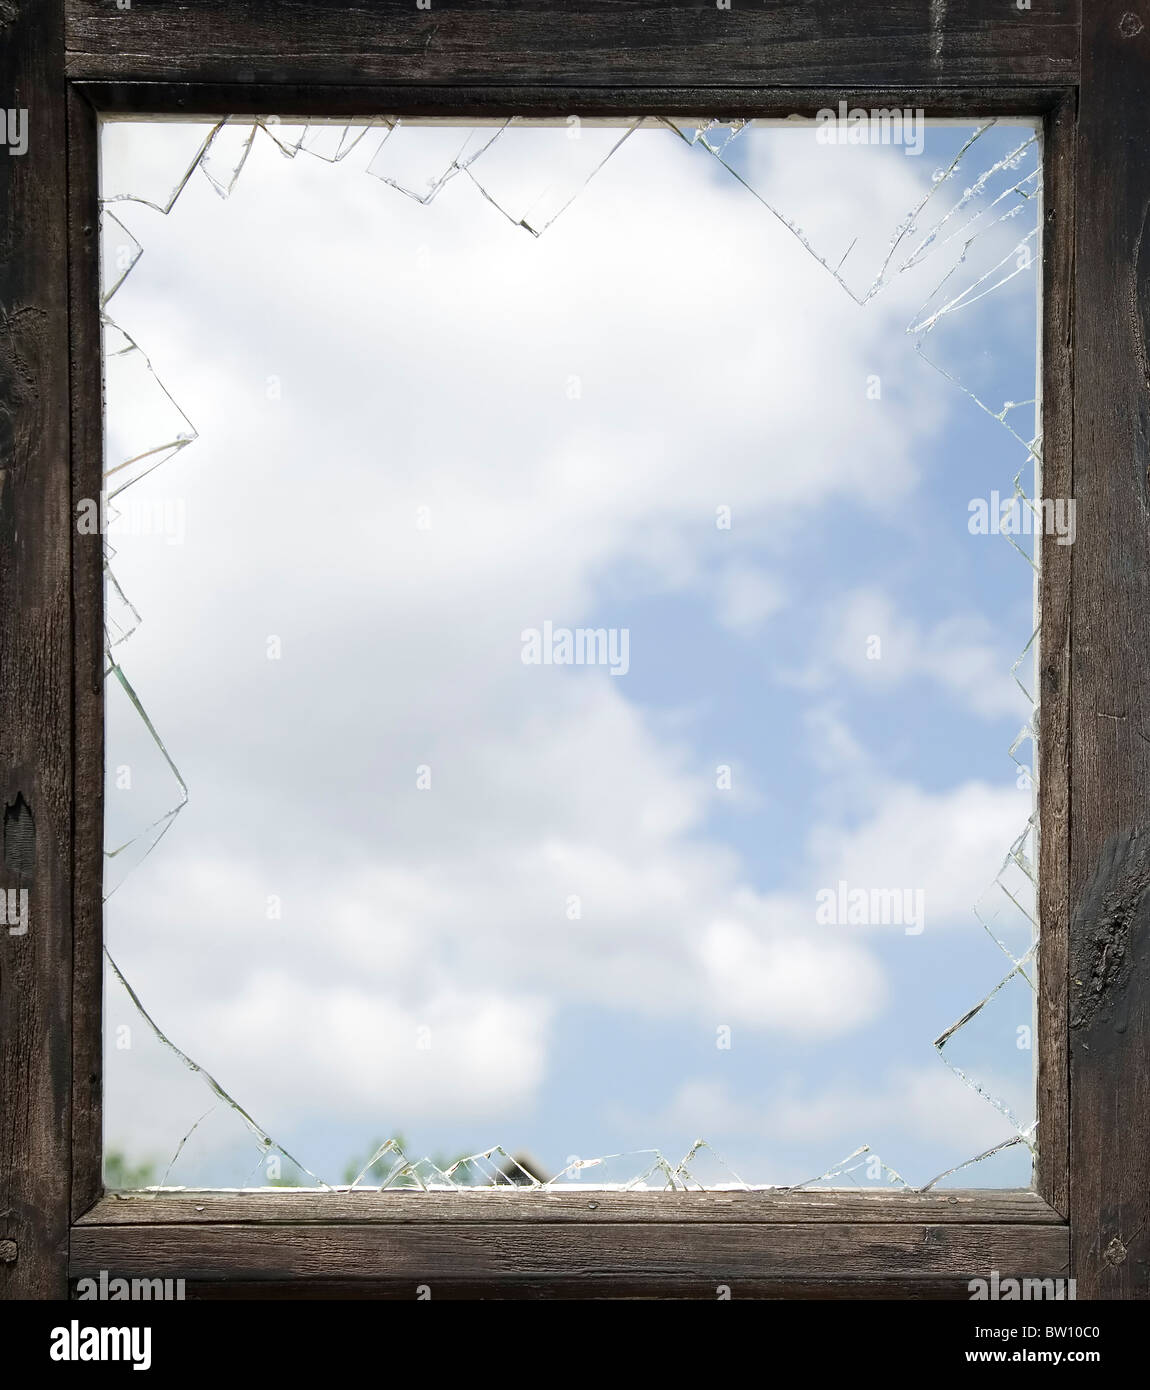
<point>122,1176</point>
<point>291,1181</point>
<point>387,1161</point>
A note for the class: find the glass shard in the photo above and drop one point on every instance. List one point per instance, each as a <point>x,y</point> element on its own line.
<point>570,744</point>
<point>419,160</point>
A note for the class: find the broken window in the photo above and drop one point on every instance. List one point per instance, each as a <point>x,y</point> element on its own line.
<point>571,621</point>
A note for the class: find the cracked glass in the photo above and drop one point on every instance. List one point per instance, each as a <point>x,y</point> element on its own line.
<point>569,694</point>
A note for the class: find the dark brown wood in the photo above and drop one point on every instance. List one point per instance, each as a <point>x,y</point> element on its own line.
<point>1051,1167</point>
<point>469,101</point>
<point>919,1289</point>
<point>597,57</point>
<point>35,660</point>
<point>283,1208</point>
<point>638,42</point>
<point>586,1208</point>
<point>88,670</point>
<point>1110,663</point>
<point>576,1253</point>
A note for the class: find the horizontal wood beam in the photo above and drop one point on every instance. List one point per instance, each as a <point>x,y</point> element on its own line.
<point>494,1206</point>
<point>920,1289</point>
<point>769,42</point>
<point>463,100</point>
<point>572,1253</point>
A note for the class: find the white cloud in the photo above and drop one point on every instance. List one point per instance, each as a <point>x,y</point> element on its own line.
<point>472,1054</point>
<point>881,647</point>
<point>748,596</point>
<point>447,908</point>
<point>904,1104</point>
<point>949,844</point>
<point>802,984</point>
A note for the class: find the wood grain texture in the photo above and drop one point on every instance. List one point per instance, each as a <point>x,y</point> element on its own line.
<point>594,56</point>
<point>643,42</point>
<point>557,100</point>
<point>88,678</point>
<point>288,1207</point>
<point>35,660</point>
<point>1051,1167</point>
<point>919,1289</point>
<point>576,1253</point>
<point>1110,670</point>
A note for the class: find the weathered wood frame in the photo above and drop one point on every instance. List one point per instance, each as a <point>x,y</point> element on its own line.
<point>1088,76</point>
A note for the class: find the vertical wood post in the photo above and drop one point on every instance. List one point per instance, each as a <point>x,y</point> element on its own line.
<point>1110,663</point>
<point>35,656</point>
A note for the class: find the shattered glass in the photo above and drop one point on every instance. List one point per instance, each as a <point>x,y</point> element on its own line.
<point>767,873</point>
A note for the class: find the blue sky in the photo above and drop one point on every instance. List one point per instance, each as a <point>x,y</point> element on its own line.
<point>572,410</point>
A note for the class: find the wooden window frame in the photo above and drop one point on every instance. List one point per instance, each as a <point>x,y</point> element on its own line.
<point>1088,77</point>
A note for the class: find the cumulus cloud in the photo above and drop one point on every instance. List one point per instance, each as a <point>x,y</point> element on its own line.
<point>473,432</point>
<point>881,647</point>
<point>902,1109</point>
<point>946,844</point>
